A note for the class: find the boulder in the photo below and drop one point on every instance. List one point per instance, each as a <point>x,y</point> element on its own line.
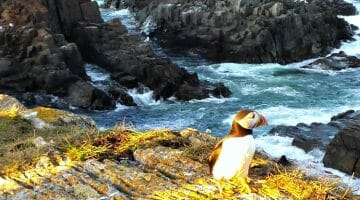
<point>41,116</point>
<point>120,93</point>
<point>317,135</point>
<point>84,95</point>
<point>343,152</point>
<point>90,12</point>
<point>59,118</point>
<point>10,105</point>
<point>335,62</point>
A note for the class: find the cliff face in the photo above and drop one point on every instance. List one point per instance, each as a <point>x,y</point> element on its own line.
<point>246,30</point>
<point>37,57</point>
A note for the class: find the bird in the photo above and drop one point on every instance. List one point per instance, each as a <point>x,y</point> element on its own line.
<point>231,156</point>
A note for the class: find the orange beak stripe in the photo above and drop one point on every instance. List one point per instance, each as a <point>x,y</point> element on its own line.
<point>263,121</point>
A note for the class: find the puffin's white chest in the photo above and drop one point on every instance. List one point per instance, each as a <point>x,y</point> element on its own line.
<point>234,158</point>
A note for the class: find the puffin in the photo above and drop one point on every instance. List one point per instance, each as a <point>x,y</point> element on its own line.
<point>231,156</point>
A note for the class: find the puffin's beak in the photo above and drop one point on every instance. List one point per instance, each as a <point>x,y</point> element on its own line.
<point>262,121</point>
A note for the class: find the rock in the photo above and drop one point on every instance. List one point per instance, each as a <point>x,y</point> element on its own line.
<point>343,151</point>
<point>338,6</point>
<point>39,142</point>
<point>58,118</point>
<point>125,79</point>
<point>335,62</point>
<point>90,12</point>
<point>243,31</point>
<point>283,161</point>
<point>37,57</point>
<point>10,105</point>
<point>131,62</point>
<point>73,59</point>
<point>120,93</point>
<point>84,95</point>
<point>317,135</point>
<point>43,117</point>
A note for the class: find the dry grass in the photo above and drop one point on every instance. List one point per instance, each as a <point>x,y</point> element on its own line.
<point>119,142</point>
<point>17,151</point>
<point>293,183</point>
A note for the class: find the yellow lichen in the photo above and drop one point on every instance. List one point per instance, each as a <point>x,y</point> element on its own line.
<point>49,115</point>
<point>13,112</point>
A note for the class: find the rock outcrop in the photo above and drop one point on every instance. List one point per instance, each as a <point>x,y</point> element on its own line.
<point>317,135</point>
<point>160,165</point>
<point>343,152</point>
<point>42,117</point>
<point>335,62</point>
<point>247,31</point>
<point>36,57</point>
<point>132,62</point>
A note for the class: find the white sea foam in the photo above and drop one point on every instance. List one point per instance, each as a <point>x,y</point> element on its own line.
<point>213,100</point>
<point>148,26</point>
<point>352,47</point>
<point>100,2</point>
<point>252,89</point>
<point>96,73</point>
<point>283,115</point>
<point>310,163</point>
<point>143,98</point>
<point>120,107</point>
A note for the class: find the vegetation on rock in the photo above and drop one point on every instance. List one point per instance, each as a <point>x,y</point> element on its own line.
<point>158,164</point>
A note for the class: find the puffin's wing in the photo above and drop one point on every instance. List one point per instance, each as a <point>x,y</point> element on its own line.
<point>215,154</point>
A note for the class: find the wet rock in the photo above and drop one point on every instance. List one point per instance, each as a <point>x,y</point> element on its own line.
<point>338,6</point>
<point>336,62</point>
<point>242,31</point>
<point>38,57</point>
<point>120,93</point>
<point>283,161</point>
<point>90,12</point>
<point>125,79</point>
<point>317,135</point>
<point>84,95</point>
<point>131,62</point>
<point>343,151</point>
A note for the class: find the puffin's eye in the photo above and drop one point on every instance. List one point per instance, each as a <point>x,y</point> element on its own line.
<point>253,116</point>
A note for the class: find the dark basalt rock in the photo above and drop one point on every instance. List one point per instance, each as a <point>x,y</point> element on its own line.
<point>132,62</point>
<point>317,135</point>
<point>335,62</point>
<point>36,58</point>
<point>343,152</point>
<point>248,31</point>
<point>340,7</point>
<point>36,55</point>
<point>119,93</point>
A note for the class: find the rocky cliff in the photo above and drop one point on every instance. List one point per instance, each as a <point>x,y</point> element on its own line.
<point>44,45</point>
<point>280,31</point>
